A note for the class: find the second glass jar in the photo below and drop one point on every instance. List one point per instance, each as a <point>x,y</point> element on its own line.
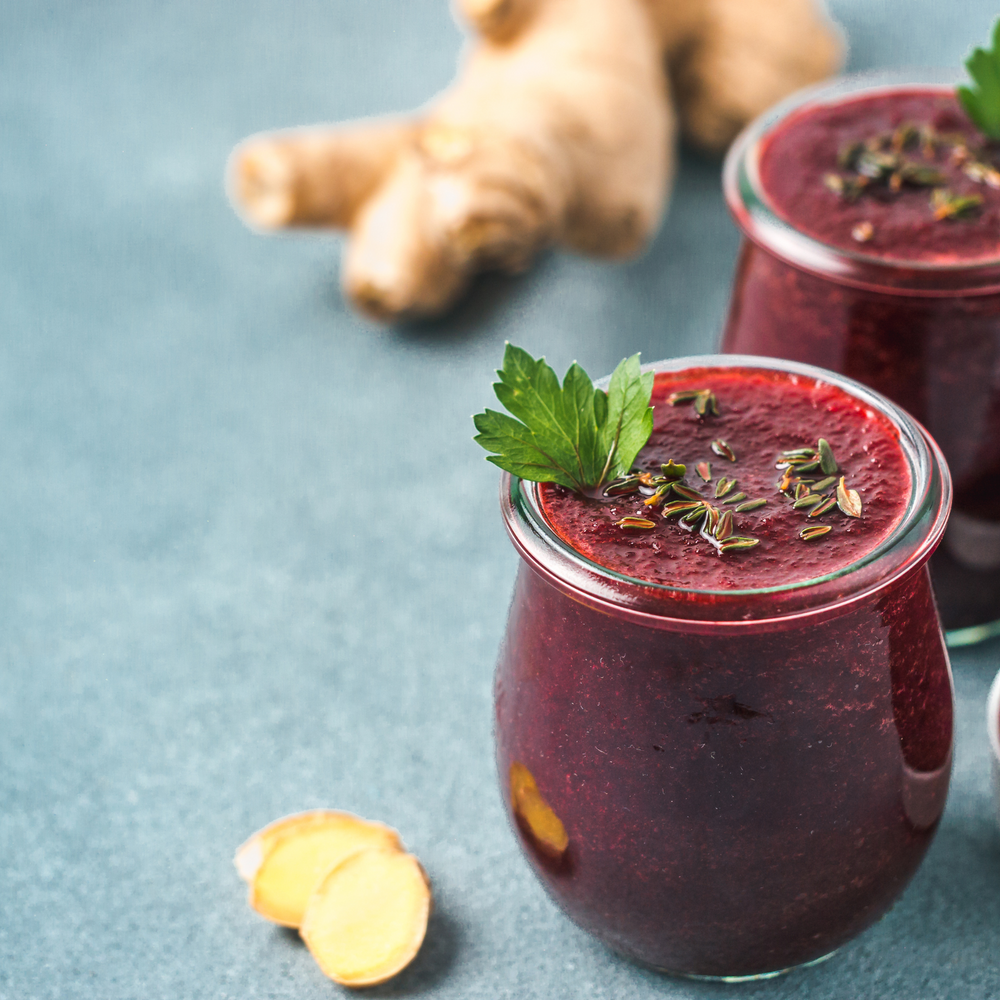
<point>727,784</point>
<point>925,335</point>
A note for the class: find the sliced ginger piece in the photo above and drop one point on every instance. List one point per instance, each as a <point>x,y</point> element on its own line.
<point>367,919</point>
<point>528,803</point>
<point>289,858</point>
<point>251,854</point>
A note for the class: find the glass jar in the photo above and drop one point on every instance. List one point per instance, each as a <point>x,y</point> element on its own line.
<point>925,335</point>
<point>727,784</point>
<point>993,730</point>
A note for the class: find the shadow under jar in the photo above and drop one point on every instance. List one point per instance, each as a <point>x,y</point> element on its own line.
<point>729,781</point>
<point>852,261</point>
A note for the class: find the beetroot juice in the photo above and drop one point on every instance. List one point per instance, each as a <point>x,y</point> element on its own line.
<point>727,760</point>
<point>872,216</point>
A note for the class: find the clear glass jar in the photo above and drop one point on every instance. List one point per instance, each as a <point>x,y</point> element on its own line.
<point>993,730</point>
<point>925,335</point>
<point>738,781</point>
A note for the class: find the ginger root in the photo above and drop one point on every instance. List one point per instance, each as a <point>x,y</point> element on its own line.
<point>367,919</point>
<point>285,861</point>
<point>559,130</point>
<point>544,826</point>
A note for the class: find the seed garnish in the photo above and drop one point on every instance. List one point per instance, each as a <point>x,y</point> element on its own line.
<point>823,507</point>
<point>809,500</point>
<point>826,460</point>
<point>982,173</point>
<point>807,534</point>
<point>948,205</point>
<point>685,491</point>
<point>808,494</point>
<point>711,519</point>
<point>725,526</point>
<point>704,470</point>
<point>686,396</point>
<point>706,403</point>
<point>694,516</point>
<point>622,487</point>
<point>723,486</point>
<point>848,500</point>
<point>735,498</point>
<point>862,232</point>
<point>887,162</point>
<point>750,505</point>
<point>723,450</point>
<point>679,507</point>
<point>736,542</point>
<point>636,523</point>
<point>658,497</point>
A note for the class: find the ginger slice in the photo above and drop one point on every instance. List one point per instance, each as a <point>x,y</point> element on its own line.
<point>367,919</point>
<point>536,814</point>
<point>251,853</point>
<point>296,853</point>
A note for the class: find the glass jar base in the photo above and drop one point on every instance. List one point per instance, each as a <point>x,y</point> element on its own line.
<point>957,637</point>
<point>968,600</point>
<point>751,978</point>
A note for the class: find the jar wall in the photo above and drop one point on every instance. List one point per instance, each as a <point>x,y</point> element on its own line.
<point>938,357</point>
<point>735,804</point>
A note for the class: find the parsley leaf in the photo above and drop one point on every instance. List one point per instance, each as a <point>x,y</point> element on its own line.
<point>572,434</point>
<point>982,105</point>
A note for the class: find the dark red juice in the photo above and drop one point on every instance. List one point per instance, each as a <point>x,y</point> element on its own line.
<point>880,282</point>
<point>761,414</point>
<point>799,154</point>
<point>738,758</point>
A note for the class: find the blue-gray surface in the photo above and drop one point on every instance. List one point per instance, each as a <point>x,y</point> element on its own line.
<point>231,588</point>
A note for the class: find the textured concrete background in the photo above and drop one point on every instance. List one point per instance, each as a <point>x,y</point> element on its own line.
<point>229,585</point>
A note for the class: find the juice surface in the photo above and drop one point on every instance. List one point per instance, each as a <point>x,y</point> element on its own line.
<point>803,149</point>
<point>761,414</point>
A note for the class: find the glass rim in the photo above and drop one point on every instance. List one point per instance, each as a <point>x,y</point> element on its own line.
<point>760,223</point>
<point>931,485</point>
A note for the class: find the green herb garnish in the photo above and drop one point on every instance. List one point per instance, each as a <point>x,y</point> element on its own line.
<point>574,435</point>
<point>947,205</point>
<point>982,101</point>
